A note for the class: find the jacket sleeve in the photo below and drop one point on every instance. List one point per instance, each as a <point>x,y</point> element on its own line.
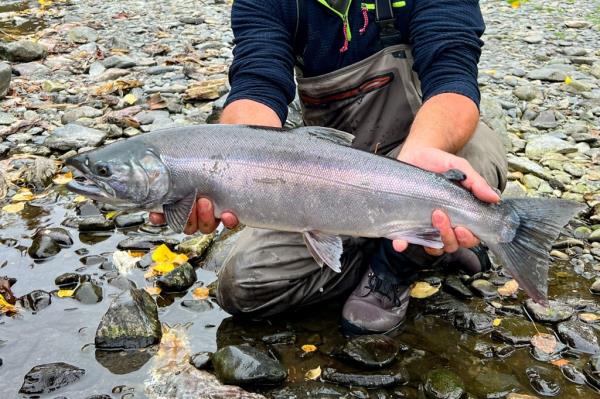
<point>445,37</point>
<point>263,63</point>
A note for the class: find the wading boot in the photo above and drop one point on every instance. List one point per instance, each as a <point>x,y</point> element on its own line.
<point>377,305</point>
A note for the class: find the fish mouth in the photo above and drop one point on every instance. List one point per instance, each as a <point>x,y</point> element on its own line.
<point>85,184</point>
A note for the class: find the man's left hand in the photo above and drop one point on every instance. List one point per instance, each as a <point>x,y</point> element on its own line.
<point>436,160</point>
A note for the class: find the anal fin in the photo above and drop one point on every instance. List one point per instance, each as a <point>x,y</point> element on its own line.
<point>177,214</point>
<point>326,249</point>
<point>428,237</point>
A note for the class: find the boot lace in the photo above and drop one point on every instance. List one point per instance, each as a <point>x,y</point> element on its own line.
<point>391,291</point>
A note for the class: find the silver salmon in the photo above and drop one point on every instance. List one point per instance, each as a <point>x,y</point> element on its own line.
<point>309,180</point>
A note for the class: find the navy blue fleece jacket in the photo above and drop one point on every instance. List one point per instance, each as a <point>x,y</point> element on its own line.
<point>444,34</point>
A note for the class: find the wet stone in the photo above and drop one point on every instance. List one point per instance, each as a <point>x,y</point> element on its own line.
<point>443,384</point>
<point>50,377</point>
<point>131,322</point>
<point>22,51</point>
<point>384,380</point>
<point>579,336</point>
<point>541,381</point>
<point>36,300</point>
<point>285,338</point>
<point>196,246</point>
<point>516,331</point>
<point>121,282</point>
<point>198,305</point>
<point>454,286</point>
<point>595,288</point>
<point>201,360</point>
<point>146,243</point>
<point>592,371</point>
<point>67,280</point>
<point>43,247</point>
<point>555,313</point>
<point>473,321</point>
<point>129,220</point>
<point>59,235</point>
<point>82,34</point>
<point>73,136</point>
<point>484,288</point>
<point>573,374</point>
<point>88,293</point>
<point>243,365</point>
<point>372,351</point>
<point>179,279</point>
<point>5,76</point>
<point>95,223</point>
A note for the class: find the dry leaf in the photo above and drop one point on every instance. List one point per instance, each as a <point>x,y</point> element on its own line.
<point>116,85</point>
<point>136,254</point>
<point>65,293</point>
<point>568,80</point>
<point>63,178</point>
<point>544,342</point>
<point>200,293</point>
<point>6,307</point>
<point>589,317</point>
<point>497,322</point>
<point>23,195</point>
<point>422,289</point>
<point>111,214</point>
<point>509,288</point>
<point>313,374</point>
<point>309,348</point>
<point>560,362</point>
<point>130,99</point>
<point>79,198</point>
<point>14,208</point>
<point>153,290</point>
<point>163,268</point>
<point>162,254</point>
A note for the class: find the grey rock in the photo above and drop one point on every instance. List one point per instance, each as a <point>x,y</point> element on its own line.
<point>525,165</point>
<point>59,235</point>
<point>595,236</point>
<point>542,382</point>
<point>112,74</point>
<point>197,305</point>
<point>85,111</point>
<point>131,322</point>
<point>516,331</point>
<point>119,61</point>
<point>6,118</point>
<point>88,293</point>
<point>243,365</point>
<point>50,377</point>
<point>43,247</point>
<point>372,351</point>
<point>554,313</point>
<point>473,321</point>
<point>179,279</point>
<point>67,280</point>
<point>31,69</point>
<point>577,24</point>
<point>579,336</point>
<point>484,288</point>
<point>74,136</point>
<point>22,51</point>
<point>201,360</point>
<point>191,20</point>
<point>82,34</point>
<point>95,223</point>
<point>365,380</point>
<point>5,75</point>
<point>527,93</point>
<point>129,220</point>
<point>545,120</point>
<point>36,300</point>
<point>574,51</point>
<point>443,384</point>
<point>455,286</point>
<point>96,69</point>
<point>146,243</point>
<point>548,73</point>
<point>541,145</point>
<point>595,70</point>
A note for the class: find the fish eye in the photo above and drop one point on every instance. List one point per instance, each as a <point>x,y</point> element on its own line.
<point>103,170</point>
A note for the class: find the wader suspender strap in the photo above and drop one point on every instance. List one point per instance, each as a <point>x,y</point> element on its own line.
<point>384,17</point>
<point>300,32</point>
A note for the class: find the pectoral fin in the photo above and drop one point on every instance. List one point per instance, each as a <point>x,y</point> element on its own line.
<point>326,249</point>
<point>428,237</point>
<point>177,214</point>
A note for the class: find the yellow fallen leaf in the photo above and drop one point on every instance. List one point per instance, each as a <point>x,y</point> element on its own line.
<point>422,289</point>
<point>568,80</point>
<point>560,362</point>
<point>163,268</point>
<point>162,254</point>
<point>153,290</point>
<point>63,178</point>
<point>509,288</point>
<point>65,293</point>
<point>313,374</point>
<point>544,342</point>
<point>6,307</point>
<point>309,348</point>
<point>515,3</point>
<point>137,254</point>
<point>497,322</point>
<point>111,215</point>
<point>23,194</point>
<point>180,259</point>
<point>80,198</point>
<point>200,293</point>
<point>14,208</point>
<point>589,317</point>
<point>130,99</point>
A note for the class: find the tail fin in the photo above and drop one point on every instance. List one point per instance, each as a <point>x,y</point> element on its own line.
<point>526,256</point>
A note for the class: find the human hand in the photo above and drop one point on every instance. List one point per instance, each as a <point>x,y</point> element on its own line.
<point>201,218</point>
<point>436,160</point>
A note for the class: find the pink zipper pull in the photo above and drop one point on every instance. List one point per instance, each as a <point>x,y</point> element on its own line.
<point>365,14</point>
<point>345,46</point>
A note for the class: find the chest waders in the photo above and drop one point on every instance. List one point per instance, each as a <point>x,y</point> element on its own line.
<point>375,99</point>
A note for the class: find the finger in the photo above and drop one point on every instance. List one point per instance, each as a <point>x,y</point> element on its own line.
<point>441,221</point>
<point>434,251</point>
<point>156,218</point>
<point>207,222</point>
<point>399,245</point>
<point>465,238</point>
<point>192,224</point>
<point>229,220</point>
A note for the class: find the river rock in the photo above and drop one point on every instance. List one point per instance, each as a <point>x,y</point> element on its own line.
<point>443,384</point>
<point>484,288</point>
<point>454,286</point>
<point>537,147</point>
<point>179,279</point>
<point>22,51</point>
<point>526,93</point>
<point>5,75</point>
<point>545,120</point>
<point>592,371</point>
<point>548,73</point>
<point>473,321</point>
<point>196,246</point>
<point>579,336</point>
<point>595,70</point>
<point>554,313</point>
<point>197,305</point>
<point>131,322</point>
<point>88,293</point>
<point>36,300</point>
<point>118,61</point>
<point>516,331</point>
<point>43,247</point>
<point>95,223</point>
<point>67,280</point>
<point>129,220</point>
<point>373,351</point>
<point>370,381</point>
<point>146,243</point>
<point>59,235</point>
<point>31,69</point>
<point>283,338</point>
<point>594,236</point>
<point>50,377</point>
<point>243,364</point>
<point>201,360</point>
<point>573,374</point>
<point>85,111</point>
<point>82,35</point>
<point>541,381</point>
<point>73,137</point>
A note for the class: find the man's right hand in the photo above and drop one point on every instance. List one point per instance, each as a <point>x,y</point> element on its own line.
<point>202,218</point>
